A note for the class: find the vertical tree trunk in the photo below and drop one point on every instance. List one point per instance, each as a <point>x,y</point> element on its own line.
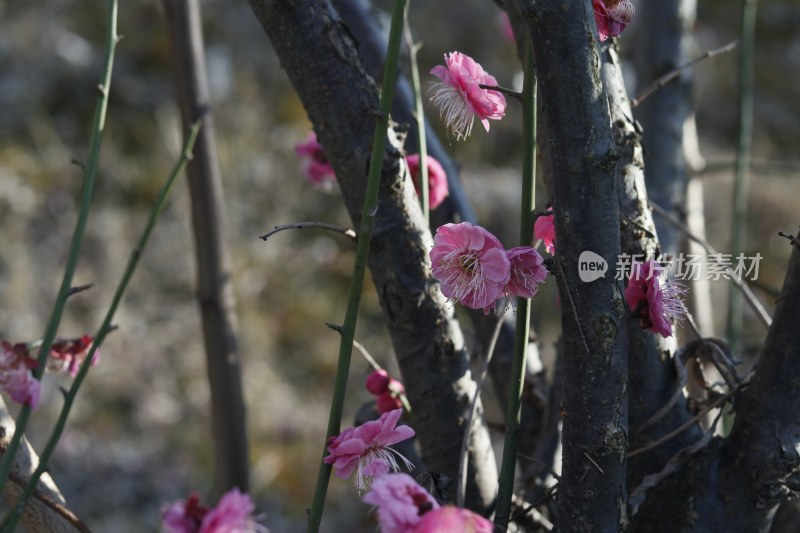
<point>214,279</point>
<point>592,488</point>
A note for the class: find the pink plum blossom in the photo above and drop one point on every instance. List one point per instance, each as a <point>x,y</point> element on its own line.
<point>386,389</point>
<point>401,502</point>
<point>67,356</point>
<point>317,168</point>
<point>233,514</point>
<point>449,518</point>
<point>656,302</point>
<point>460,97</point>
<point>527,271</point>
<point>544,229</point>
<point>470,263</point>
<point>16,377</point>
<point>437,179</point>
<point>366,449</point>
<point>611,16</point>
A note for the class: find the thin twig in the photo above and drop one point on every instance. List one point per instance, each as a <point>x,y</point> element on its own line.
<point>347,232</point>
<point>597,466</point>
<point>792,239</point>
<point>463,455</point>
<point>761,313</point>
<point>669,76</point>
<point>509,92</point>
<point>689,423</point>
<point>80,288</point>
<point>573,308</point>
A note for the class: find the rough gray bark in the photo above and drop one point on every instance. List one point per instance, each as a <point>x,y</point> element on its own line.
<point>663,44</point>
<point>652,377</point>
<point>759,464</point>
<point>214,279</point>
<point>341,99</point>
<point>592,489</point>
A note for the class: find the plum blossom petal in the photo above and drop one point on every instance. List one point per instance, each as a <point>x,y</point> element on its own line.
<point>471,265</point>
<point>611,16</point>
<point>16,377</point>
<point>657,302</point>
<point>68,355</point>
<point>401,502</point>
<point>317,168</point>
<point>233,514</point>
<point>527,271</point>
<point>449,518</point>
<point>544,229</point>
<point>460,97</point>
<point>386,389</point>
<point>437,179</point>
<point>354,449</point>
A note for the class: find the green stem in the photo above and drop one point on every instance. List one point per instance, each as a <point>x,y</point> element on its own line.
<point>161,202</point>
<point>89,175</point>
<point>734,322</point>
<point>506,489</point>
<point>424,185</point>
<point>359,269</point>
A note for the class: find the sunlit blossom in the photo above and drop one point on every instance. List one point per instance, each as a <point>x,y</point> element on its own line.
<point>400,502</point>
<point>233,514</point>
<point>544,229</point>
<point>471,265</point>
<point>527,272</point>
<point>460,98</point>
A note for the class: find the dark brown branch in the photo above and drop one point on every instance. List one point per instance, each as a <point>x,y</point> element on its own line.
<point>214,282</point>
<point>583,159</point>
<point>759,463</point>
<point>341,99</point>
<point>347,232</point>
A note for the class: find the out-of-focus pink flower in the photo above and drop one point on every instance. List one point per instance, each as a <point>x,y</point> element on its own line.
<point>437,179</point>
<point>401,502</point>
<point>366,449</point>
<point>611,16</point>
<point>233,514</point>
<point>386,389</point>
<point>506,27</point>
<point>527,271</point>
<point>470,263</point>
<point>447,519</point>
<point>460,97</point>
<point>656,302</point>
<point>317,168</point>
<point>16,377</point>
<point>545,229</point>
<point>67,356</point>
<point>183,517</point>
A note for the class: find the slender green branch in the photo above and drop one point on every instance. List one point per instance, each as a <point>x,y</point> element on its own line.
<point>748,37</point>
<point>419,111</point>
<point>89,175</point>
<point>161,202</point>
<point>516,382</point>
<point>362,251</point>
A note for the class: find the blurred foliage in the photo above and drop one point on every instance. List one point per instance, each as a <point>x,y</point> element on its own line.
<point>139,435</point>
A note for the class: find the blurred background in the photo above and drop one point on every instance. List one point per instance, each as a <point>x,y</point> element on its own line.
<point>139,435</point>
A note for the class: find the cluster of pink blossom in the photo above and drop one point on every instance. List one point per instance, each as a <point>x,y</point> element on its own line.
<point>318,169</point>
<point>656,302</point>
<point>403,506</point>
<point>475,270</point>
<point>233,514</point>
<point>437,179</point>
<point>386,390</point>
<point>17,364</point>
<point>611,16</point>
<point>544,229</point>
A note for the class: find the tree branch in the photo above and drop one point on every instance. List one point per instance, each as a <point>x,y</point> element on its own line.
<point>582,157</point>
<point>341,99</point>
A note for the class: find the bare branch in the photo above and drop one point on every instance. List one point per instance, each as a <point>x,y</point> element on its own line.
<point>347,232</point>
